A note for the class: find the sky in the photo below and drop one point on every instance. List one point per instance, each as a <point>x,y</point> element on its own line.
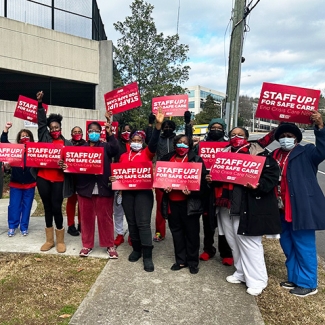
<point>284,43</point>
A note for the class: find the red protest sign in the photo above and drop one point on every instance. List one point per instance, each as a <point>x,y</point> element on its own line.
<point>237,168</point>
<point>178,175</point>
<point>83,160</point>
<point>208,150</point>
<point>287,103</point>
<point>26,109</point>
<point>102,133</point>
<point>132,176</point>
<point>12,154</point>
<point>44,155</point>
<point>123,99</point>
<point>114,126</point>
<point>175,105</point>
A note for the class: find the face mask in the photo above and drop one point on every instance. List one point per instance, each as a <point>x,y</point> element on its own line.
<point>24,140</point>
<point>125,136</point>
<point>287,144</point>
<point>182,151</point>
<point>55,134</point>
<point>135,146</point>
<point>168,132</point>
<point>237,141</point>
<point>77,137</point>
<point>94,136</point>
<point>181,145</point>
<point>216,134</point>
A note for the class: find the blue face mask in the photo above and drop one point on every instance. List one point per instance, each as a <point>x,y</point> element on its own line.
<point>182,145</point>
<point>94,136</point>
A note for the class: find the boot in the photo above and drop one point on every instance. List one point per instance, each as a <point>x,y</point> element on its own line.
<point>147,258</point>
<point>49,239</point>
<point>60,245</point>
<point>136,253</point>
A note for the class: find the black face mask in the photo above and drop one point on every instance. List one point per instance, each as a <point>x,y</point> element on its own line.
<point>168,132</point>
<point>216,134</point>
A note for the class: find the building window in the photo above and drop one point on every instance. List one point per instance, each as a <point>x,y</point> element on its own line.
<point>191,104</point>
<point>191,93</point>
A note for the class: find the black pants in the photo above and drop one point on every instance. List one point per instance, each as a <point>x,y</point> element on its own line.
<point>51,194</point>
<point>208,241</point>
<point>186,233</point>
<point>137,207</point>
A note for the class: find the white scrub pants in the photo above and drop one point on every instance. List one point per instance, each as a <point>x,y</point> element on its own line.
<point>248,252</point>
<point>118,217</point>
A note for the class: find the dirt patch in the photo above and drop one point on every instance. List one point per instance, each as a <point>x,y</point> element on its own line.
<point>38,289</point>
<point>277,305</point>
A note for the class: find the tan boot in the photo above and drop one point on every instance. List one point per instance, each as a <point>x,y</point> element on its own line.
<point>60,245</point>
<point>49,239</point>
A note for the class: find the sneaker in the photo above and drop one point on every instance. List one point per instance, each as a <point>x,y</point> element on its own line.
<point>287,285</point>
<point>73,231</point>
<point>11,232</point>
<point>85,252</point>
<point>254,292</point>
<point>24,232</point>
<point>194,269</point>
<point>112,253</point>
<point>129,241</point>
<point>158,237</point>
<point>177,267</point>
<point>232,279</point>
<point>204,256</point>
<point>119,240</point>
<point>303,292</point>
<point>228,261</point>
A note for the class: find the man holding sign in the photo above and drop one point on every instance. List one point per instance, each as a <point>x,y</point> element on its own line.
<point>247,212</point>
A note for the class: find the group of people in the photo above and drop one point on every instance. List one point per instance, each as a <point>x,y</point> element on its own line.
<point>287,200</point>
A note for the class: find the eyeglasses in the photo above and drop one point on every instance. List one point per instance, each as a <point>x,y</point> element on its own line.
<point>94,131</point>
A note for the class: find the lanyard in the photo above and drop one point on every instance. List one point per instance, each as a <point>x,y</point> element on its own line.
<point>137,154</point>
<point>284,164</point>
<point>246,145</point>
<point>182,160</point>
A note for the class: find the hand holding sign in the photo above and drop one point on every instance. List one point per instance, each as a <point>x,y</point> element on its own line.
<point>317,118</point>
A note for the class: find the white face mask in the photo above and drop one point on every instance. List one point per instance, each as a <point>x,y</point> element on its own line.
<point>287,144</point>
<point>135,146</point>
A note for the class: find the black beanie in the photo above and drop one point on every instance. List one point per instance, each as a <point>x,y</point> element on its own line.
<point>288,127</point>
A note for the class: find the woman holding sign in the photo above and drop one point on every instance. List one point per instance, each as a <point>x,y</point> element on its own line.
<point>138,204</point>
<point>53,185</point>
<point>301,203</point>
<point>249,212</point>
<point>22,187</point>
<point>183,209</point>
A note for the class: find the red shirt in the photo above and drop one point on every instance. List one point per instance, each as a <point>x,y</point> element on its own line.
<point>177,195</point>
<point>52,174</point>
<point>141,156</point>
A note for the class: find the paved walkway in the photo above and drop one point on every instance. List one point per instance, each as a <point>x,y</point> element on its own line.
<point>124,294</point>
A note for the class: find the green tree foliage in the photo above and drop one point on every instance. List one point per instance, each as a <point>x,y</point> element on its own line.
<point>210,110</point>
<point>156,62</point>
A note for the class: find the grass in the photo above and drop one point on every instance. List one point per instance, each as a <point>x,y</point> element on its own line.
<point>44,290</point>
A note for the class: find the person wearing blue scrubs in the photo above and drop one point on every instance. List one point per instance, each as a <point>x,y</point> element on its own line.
<point>301,203</point>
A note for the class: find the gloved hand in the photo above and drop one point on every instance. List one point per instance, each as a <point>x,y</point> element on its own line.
<point>187,117</point>
<point>151,118</point>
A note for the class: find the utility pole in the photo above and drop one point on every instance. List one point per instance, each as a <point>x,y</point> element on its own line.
<point>235,61</point>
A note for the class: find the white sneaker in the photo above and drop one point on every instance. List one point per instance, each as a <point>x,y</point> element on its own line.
<point>232,279</point>
<point>254,292</point>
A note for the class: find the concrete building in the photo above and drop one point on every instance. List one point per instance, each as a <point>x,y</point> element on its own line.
<point>197,97</point>
<point>60,50</point>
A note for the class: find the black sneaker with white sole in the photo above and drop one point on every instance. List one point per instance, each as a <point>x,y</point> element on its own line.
<point>303,292</point>
<point>288,285</point>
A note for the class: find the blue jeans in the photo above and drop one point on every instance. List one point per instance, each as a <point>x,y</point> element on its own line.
<point>299,247</point>
<point>20,205</point>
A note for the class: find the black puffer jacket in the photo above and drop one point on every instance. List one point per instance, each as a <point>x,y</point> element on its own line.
<point>195,199</point>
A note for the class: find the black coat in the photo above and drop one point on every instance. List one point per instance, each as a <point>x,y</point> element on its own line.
<point>195,199</point>
<point>258,210</point>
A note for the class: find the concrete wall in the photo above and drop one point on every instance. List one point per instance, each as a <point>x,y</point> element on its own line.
<point>35,50</point>
<point>71,117</point>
